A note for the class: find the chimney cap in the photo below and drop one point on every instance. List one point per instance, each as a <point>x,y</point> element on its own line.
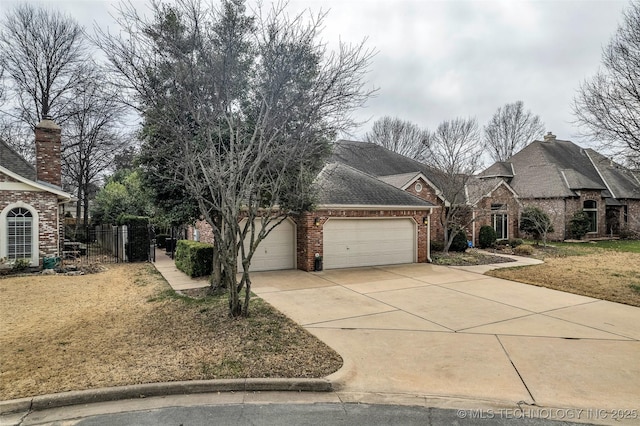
<point>48,123</point>
<point>549,137</point>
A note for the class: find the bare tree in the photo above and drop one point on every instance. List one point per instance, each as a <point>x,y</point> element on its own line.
<point>252,102</point>
<point>608,104</point>
<point>537,223</point>
<point>510,129</point>
<point>454,150</point>
<point>93,138</point>
<point>400,136</point>
<point>44,56</point>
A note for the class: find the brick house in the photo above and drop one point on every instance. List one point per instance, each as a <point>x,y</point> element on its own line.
<point>31,222</point>
<point>561,178</point>
<point>373,208</point>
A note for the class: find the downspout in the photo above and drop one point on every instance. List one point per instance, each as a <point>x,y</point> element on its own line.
<point>429,237</point>
<point>473,227</point>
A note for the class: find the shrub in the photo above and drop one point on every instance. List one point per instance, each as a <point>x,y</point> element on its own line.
<point>487,237</point>
<point>535,223</point>
<point>161,240</point>
<point>629,234</point>
<point>579,225</point>
<point>459,242</point>
<point>437,245</point>
<point>194,258</point>
<point>523,250</point>
<point>516,242</point>
<point>20,265</point>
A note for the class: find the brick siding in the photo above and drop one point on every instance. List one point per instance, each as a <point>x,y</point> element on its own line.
<point>310,236</point>
<point>48,149</point>
<point>49,225</point>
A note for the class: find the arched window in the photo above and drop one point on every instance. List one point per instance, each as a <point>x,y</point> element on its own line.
<point>590,207</point>
<point>19,233</point>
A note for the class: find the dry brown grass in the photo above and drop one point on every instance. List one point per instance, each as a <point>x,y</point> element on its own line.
<point>125,326</point>
<point>603,274</point>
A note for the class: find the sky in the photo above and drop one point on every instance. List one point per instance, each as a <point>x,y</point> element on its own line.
<point>441,59</point>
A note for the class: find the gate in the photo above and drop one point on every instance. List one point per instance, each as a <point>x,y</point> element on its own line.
<point>109,244</point>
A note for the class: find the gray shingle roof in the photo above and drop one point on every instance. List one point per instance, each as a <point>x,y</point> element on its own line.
<point>558,168</point>
<point>378,161</point>
<point>499,169</point>
<point>14,162</point>
<point>399,181</point>
<point>622,182</point>
<point>340,184</point>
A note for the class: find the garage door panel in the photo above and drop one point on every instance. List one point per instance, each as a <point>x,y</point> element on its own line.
<point>368,242</point>
<point>275,252</point>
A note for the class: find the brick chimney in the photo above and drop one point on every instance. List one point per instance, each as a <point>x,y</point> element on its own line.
<point>48,152</point>
<point>549,137</point>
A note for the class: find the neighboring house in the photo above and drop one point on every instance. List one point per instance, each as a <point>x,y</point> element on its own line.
<point>562,178</point>
<point>373,208</point>
<point>31,222</point>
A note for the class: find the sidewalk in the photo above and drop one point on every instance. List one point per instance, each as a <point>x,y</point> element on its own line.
<point>177,279</point>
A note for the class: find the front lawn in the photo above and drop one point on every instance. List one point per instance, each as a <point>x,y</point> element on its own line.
<point>126,326</point>
<point>608,270</point>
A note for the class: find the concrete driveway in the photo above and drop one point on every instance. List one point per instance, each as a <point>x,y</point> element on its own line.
<point>453,337</point>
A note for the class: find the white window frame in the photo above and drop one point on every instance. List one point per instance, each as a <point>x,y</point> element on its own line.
<point>35,226</point>
<point>500,211</point>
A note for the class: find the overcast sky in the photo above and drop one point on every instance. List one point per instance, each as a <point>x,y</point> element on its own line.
<point>443,59</point>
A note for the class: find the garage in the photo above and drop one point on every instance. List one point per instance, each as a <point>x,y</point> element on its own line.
<point>275,252</point>
<point>368,242</point>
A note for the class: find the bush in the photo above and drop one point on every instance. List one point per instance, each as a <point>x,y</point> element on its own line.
<point>437,245</point>
<point>161,240</point>
<point>194,258</point>
<point>487,237</point>
<point>579,225</point>
<point>516,242</point>
<point>20,265</point>
<point>459,242</point>
<point>629,234</point>
<point>523,250</point>
<point>535,223</point>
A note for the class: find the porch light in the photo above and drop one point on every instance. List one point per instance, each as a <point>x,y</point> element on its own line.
<point>425,220</point>
<point>316,221</point>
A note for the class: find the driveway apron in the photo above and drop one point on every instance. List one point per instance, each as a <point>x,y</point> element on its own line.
<point>431,331</point>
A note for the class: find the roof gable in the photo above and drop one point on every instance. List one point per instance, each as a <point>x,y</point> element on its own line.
<point>342,185</point>
<point>37,185</point>
<point>549,169</point>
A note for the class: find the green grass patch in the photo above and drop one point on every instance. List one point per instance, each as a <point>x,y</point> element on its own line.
<point>628,246</point>
<point>635,287</point>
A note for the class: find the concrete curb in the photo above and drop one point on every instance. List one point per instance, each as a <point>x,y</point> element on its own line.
<point>90,396</point>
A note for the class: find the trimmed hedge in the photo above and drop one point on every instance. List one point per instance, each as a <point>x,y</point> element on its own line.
<point>194,258</point>
<point>487,237</point>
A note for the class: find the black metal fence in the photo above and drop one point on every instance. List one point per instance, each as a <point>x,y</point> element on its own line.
<point>109,244</point>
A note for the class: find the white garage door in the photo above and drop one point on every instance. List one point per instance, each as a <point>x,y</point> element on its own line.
<point>277,251</point>
<point>368,242</point>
